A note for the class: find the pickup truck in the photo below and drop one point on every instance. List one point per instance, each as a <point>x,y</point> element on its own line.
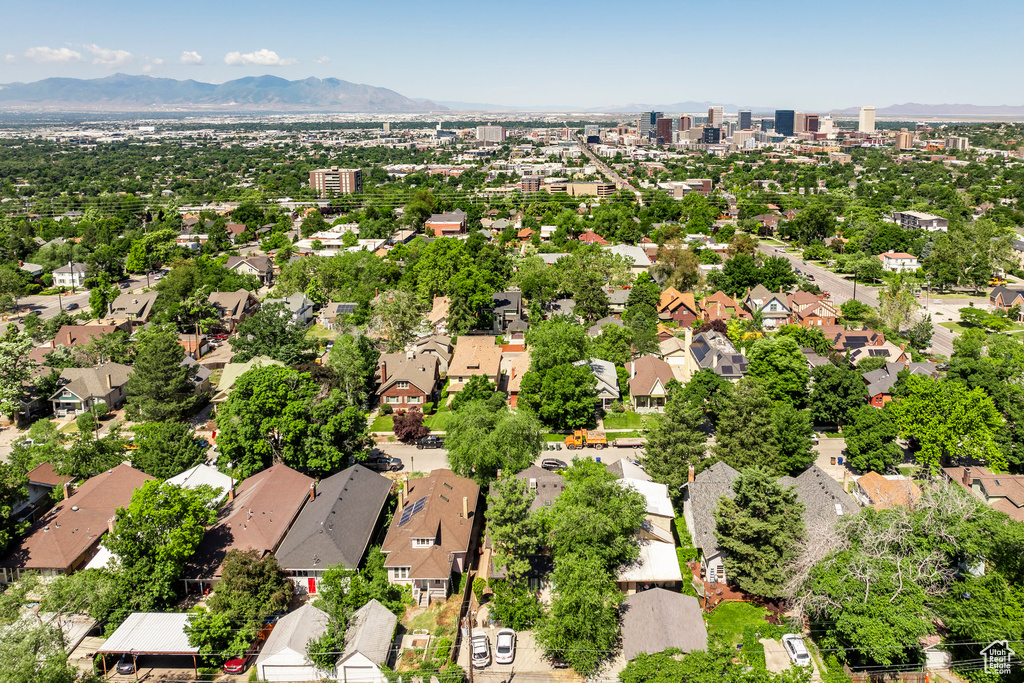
<point>431,441</point>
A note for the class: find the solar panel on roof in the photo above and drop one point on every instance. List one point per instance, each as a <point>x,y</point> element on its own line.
<point>412,510</point>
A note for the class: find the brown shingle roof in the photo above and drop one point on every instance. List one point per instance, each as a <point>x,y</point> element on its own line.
<point>78,335</point>
<point>44,475</point>
<point>475,356</point>
<point>420,371</point>
<point>229,304</point>
<point>264,507</point>
<point>649,369</point>
<point>87,382</point>
<point>438,516</point>
<point>75,525</point>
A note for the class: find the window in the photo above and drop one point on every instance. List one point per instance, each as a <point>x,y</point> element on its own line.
<point>422,542</point>
<point>403,385</point>
<point>394,399</point>
<point>413,399</point>
<point>401,573</point>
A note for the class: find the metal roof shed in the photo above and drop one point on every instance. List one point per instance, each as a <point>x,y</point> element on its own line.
<point>151,633</point>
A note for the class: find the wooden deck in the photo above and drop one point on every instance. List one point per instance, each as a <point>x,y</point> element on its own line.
<point>714,594</point>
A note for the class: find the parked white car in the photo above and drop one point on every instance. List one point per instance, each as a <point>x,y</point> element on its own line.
<point>505,646</point>
<point>481,650</point>
<point>796,649</point>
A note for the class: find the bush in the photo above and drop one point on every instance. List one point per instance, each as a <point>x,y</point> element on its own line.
<point>479,584</point>
<point>386,409</point>
<point>409,426</point>
<point>463,578</point>
<point>617,407</point>
<point>428,408</point>
<point>32,288</point>
<point>86,422</point>
<point>100,410</point>
<point>515,607</point>
<point>834,672</point>
<point>442,649</point>
<point>686,555</point>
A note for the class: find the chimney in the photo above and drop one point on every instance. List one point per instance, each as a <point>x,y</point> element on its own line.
<point>110,524</point>
<point>312,491</point>
<point>405,488</point>
<point>67,490</point>
<point>109,383</point>
<point>688,336</point>
<point>465,507</point>
<point>383,371</point>
<point>967,477</point>
<point>231,493</point>
<point>632,370</point>
<point>533,484</point>
<point>714,360</point>
<point>689,473</point>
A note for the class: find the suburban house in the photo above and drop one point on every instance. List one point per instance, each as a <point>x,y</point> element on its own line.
<point>864,343</point>
<point>886,491</point>
<point>334,527</point>
<point>79,389</point>
<point>233,307</point>
<point>898,262</point>
<point>823,498</point>
<point>714,351</point>
<point>607,380</point>
<point>507,308</point>
<point>1003,492</point>
<point>1004,298</point>
<point>617,297</point>
<point>334,313</point>
<point>447,224</point>
<point>474,356</point>
<point>516,331</point>
<point>431,533</point>
<point>260,266</point>
<point>656,620</point>
<point>70,336</point>
<point>648,381</point>
<point>204,475</point>
<point>235,231</point>
<point>881,381</point>
<point>514,366</point>
<point>438,315</point>
<point>232,371</point>
<point>676,352</point>
<point>42,480</point>
<point>657,563</point>
<point>596,328</point>
<point>721,306</point>
<point>591,237</point>
<point>136,308</point>
<point>73,275</point>
<point>258,514</point>
<point>298,305</point>
<point>916,220</point>
<point>408,379</point>
<point>678,307</point>
<point>774,308</point>
<point>65,538</point>
<point>437,345</point>
<point>812,310</point>
<point>639,262</point>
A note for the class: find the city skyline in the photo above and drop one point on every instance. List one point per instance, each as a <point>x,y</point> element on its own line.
<point>483,52</point>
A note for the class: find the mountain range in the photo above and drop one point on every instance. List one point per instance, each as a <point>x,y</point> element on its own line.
<point>122,92</point>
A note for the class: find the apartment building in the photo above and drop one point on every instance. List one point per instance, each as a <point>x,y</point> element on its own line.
<point>334,180</point>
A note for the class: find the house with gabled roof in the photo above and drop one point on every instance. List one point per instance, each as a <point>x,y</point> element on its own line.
<point>721,306</point>
<point>438,345</point>
<point>260,266</point>
<point>678,307</point>
<point>258,514</point>
<point>334,527</point>
<point>474,356</point>
<point>773,307</point>
<point>812,310</point>
<point>437,318</point>
<point>607,380</point>
<point>881,381</point>
<point>591,237</point>
<point>506,309</point>
<point>65,538</point>
<point>1004,298</point>
<point>648,383</point>
<point>446,224</point>
<point>883,492</point>
<point>79,389</point>
<point>135,307</point>
<point>233,307</point>
<point>408,379</point>
<point>432,533</point>
<point>714,351</point>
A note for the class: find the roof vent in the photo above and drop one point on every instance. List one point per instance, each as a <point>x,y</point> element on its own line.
<point>46,528</point>
<point>74,508</point>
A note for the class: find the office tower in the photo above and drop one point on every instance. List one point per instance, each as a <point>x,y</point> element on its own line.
<point>592,134</point>
<point>334,180</point>
<point>958,142</point>
<point>730,128</point>
<point>745,120</point>
<point>798,122</point>
<point>712,135</point>
<point>867,120</point>
<point>648,123</point>
<point>904,139</point>
<point>700,120</point>
<point>685,123</point>
<point>784,122</point>
<point>716,116</point>
<point>811,123</point>
<point>664,129</point>
<point>827,127</point>
<point>767,124</point>
<point>490,133</point>
<point>387,126</point>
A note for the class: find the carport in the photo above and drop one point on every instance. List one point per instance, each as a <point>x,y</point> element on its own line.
<point>151,633</point>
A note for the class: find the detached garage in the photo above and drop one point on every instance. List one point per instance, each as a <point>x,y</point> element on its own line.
<point>367,646</point>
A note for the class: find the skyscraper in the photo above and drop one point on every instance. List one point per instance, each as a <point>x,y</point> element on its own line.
<point>798,122</point>
<point>490,133</point>
<point>648,123</point>
<point>811,123</point>
<point>716,116</point>
<point>664,130</point>
<point>685,123</point>
<point>712,135</point>
<point>867,120</point>
<point>785,120</point>
<point>745,120</point>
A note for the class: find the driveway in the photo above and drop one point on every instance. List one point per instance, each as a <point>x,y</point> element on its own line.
<point>529,662</point>
<point>776,660</point>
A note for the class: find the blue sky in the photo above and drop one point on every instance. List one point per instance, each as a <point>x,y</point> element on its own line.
<point>784,53</point>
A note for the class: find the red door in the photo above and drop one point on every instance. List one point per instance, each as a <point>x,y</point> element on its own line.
<point>312,586</point>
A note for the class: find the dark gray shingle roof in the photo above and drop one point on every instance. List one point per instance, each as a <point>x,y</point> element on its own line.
<point>657,619</point>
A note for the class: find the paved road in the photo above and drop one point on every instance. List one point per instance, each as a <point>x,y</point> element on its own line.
<point>48,306</point>
<point>437,458</point>
<point>842,291</point>
<point>607,170</point>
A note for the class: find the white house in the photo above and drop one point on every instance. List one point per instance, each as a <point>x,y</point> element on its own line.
<point>640,262</point>
<point>898,262</point>
<point>71,275</point>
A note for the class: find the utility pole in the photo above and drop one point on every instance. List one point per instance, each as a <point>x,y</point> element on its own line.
<point>469,644</point>
<point>855,284</point>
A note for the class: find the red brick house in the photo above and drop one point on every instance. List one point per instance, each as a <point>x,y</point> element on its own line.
<point>447,224</point>
<point>678,307</point>
<point>408,380</point>
<point>591,237</point>
<point>812,310</point>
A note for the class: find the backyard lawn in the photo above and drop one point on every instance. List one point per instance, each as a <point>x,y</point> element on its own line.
<point>729,619</point>
<point>626,420</point>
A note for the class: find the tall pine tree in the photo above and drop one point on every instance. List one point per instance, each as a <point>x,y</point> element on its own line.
<point>746,434</point>
<point>675,442</point>
<point>160,388</point>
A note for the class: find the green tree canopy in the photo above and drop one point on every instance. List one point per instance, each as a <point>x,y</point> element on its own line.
<point>563,396</point>
<point>165,448</point>
<point>160,388</point>
<point>781,367</point>
<point>271,332</point>
<point>480,441</point>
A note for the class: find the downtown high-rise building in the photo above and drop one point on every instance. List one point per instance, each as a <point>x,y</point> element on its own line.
<point>867,120</point>
<point>958,142</point>
<point>685,123</point>
<point>810,123</point>
<point>664,129</point>
<point>716,116</point>
<point>785,122</point>
<point>490,133</point>
<point>745,122</point>
<point>648,125</point>
<point>798,122</point>
<point>334,180</point>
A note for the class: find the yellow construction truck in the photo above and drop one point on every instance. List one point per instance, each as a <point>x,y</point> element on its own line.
<point>581,438</point>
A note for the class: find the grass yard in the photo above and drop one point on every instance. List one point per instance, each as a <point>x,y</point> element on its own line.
<point>729,619</point>
<point>625,420</point>
<point>69,428</point>
<point>438,422</point>
<point>383,423</point>
<point>554,437</point>
<point>320,332</point>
